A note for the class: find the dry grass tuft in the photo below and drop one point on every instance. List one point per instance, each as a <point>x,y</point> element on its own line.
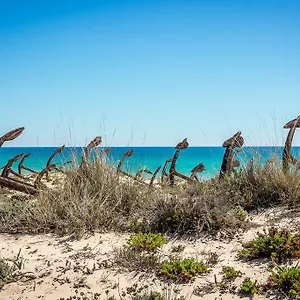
<point>94,198</point>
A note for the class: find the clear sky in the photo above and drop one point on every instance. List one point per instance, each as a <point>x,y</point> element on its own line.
<point>145,72</point>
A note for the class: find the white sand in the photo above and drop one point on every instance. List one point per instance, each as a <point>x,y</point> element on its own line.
<point>55,267</point>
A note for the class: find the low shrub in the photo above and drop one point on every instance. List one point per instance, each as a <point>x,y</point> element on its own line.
<point>146,241</point>
<point>276,243</point>
<point>285,279</point>
<point>95,197</point>
<point>8,267</point>
<point>230,274</point>
<point>249,287</point>
<point>183,270</point>
<point>157,296</point>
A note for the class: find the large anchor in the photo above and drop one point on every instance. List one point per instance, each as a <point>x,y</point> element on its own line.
<point>229,162</point>
<point>172,173</point>
<point>287,157</point>
<point>5,180</point>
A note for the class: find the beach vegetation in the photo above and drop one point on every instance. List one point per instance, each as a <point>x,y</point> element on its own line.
<point>156,296</point>
<point>146,241</point>
<point>286,280</point>
<point>249,287</point>
<point>96,198</point>
<point>132,260</point>
<point>278,244</point>
<point>183,270</point>
<point>230,273</point>
<point>8,267</point>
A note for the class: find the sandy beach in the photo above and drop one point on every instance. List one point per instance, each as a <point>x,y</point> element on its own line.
<point>59,267</point>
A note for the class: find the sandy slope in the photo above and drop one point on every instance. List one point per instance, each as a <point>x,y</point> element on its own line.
<point>56,267</point>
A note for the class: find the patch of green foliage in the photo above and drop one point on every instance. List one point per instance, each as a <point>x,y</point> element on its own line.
<point>8,267</point>
<point>146,241</point>
<point>285,279</point>
<point>155,296</point>
<point>183,270</point>
<point>277,244</point>
<point>140,252</point>
<point>149,296</point>
<point>230,274</point>
<point>249,287</point>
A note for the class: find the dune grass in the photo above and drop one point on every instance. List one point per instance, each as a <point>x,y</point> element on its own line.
<point>95,198</point>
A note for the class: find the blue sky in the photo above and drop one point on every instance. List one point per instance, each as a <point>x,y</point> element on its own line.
<point>149,72</point>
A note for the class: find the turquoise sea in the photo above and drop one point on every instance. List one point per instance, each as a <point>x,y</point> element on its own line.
<point>147,157</point>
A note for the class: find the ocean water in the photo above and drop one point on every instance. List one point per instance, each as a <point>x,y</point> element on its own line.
<point>147,157</point>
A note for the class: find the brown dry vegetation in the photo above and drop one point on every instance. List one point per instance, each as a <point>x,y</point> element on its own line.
<point>95,198</point>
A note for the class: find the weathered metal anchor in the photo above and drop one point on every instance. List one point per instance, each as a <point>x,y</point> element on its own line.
<point>172,173</point>
<point>198,169</point>
<point>22,167</point>
<point>164,173</point>
<point>229,162</point>
<point>11,183</point>
<point>7,168</point>
<point>288,158</point>
<point>94,143</point>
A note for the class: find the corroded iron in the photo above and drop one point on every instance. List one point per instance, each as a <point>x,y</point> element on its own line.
<point>7,168</point>
<point>22,167</point>
<point>125,155</point>
<point>198,169</point>
<point>45,171</point>
<point>11,183</point>
<point>180,146</point>
<point>287,157</point>
<point>154,175</point>
<point>58,150</point>
<point>229,162</point>
<point>137,176</point>
<point>18,186</point>
<point>94,143</point>
<point>11,135</point>
<point>164,170</point>
<point>139,173</point>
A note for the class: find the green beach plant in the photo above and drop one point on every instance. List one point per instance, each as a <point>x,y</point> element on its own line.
<point>8,267</point>
<point>156,296</point>
<point>249,287</point>
<point>230,273</point>
<point>146,241</point>
<point>286,280</point>
<point>278,244</point>
<point>183,270</point>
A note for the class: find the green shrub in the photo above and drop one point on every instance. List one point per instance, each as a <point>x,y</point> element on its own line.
<point>149,296</point>
<point>156,296</point>
<point>230,274</point>
<point>8,267</point>
<point>183,270</point>
<point>278,244</point>
<point>249,287</point>
<point>285,279</point>
<point>146,241</point>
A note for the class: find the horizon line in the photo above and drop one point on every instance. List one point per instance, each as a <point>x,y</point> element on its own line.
<point>148,146</point>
